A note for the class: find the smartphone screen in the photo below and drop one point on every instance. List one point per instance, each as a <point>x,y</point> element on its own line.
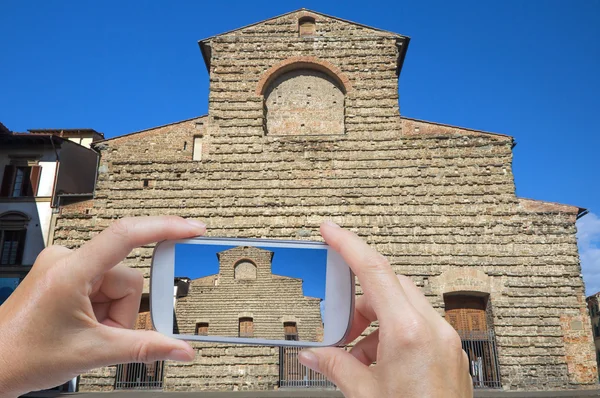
<point>251,291</point>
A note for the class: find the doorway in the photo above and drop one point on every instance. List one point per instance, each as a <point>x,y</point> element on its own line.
<point>471,318</point>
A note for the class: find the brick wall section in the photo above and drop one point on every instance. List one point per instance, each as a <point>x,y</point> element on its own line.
<point>433,198</point>
<point>77,208</point>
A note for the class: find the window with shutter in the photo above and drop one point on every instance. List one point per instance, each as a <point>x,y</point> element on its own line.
<point>19,181</point>
<point>246,328</point>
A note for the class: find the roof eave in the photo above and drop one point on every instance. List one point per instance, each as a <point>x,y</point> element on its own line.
<point>402,44</point>
<point>206,53</point>
<point>581,212</point>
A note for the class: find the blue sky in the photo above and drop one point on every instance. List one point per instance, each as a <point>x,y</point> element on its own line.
<point>523,68</point>
<point>310,265</point>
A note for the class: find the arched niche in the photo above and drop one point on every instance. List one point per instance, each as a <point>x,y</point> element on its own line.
<point>304,102</point>
<point>244,270</point>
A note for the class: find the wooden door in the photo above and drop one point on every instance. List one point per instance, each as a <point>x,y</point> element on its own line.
<point>466,313</point>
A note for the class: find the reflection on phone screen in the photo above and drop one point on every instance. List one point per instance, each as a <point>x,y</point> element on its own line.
<point>251,292</point>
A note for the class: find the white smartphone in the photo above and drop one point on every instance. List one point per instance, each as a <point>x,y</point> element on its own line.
<point>251,291</point>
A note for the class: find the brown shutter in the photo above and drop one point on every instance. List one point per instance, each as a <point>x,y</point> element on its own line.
<point>7,179</point>
<point>34,180</point>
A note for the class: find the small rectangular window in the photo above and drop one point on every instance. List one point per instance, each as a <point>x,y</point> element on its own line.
<point>290,330</point>
<point>197,151</point>
<point>246,328</point>
<point>146,183</point>
<point>202,329</point>
<point>11,246</point>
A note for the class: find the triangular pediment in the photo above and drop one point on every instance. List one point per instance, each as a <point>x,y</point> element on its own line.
<point>279,26</point>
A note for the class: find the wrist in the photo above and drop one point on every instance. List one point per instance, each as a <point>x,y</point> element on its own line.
<point>12,383</point>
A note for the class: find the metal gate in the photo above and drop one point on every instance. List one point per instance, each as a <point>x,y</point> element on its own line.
<point>293,374</point>
<point>139,376</point>
<point>480,347</point>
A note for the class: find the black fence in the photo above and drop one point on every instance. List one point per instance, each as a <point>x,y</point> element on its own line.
<point>483,358</point>
<point>139,376</point>
<point>292,374</point>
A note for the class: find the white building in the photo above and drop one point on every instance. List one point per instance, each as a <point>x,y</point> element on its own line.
<point>39,170</point>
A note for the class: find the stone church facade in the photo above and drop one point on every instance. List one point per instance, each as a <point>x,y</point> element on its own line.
<point>246,299</point>
<point>303,125</point>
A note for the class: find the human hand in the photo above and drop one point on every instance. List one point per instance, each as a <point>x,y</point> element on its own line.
<point>418,353</point>
<point>74,310</point>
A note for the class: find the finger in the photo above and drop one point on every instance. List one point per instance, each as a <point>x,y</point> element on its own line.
<point>124,345</point>
<point>363,317</point>
<point>117,300</point>
<point>50,256</point>
<point>113,244</point>
<point>366,349</point>
<point>344,370</point>
<point>378,280</point>
<point>418,300</point>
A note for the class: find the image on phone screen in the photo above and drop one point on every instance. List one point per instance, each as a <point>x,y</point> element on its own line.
<point>275,293</point>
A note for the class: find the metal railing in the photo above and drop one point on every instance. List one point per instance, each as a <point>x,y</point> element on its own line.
<point>292,374</point>
<point>139,376</point>
<point>481,349</point>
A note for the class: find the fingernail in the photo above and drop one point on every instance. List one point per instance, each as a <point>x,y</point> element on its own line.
<point>196,224</point>
<point>309,359</point>
<point>180,355</point>
<point>331,224</point>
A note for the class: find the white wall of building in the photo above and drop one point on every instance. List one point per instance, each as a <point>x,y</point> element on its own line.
<point>83,141</point>
<point>47,178</point>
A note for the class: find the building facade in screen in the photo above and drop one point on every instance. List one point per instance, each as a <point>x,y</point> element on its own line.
<point>303,126</point>
<point>245,299</point>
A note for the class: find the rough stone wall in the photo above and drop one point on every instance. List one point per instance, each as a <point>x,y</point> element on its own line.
<point>433,198</point>
<point>270,300</point>
<point>101,379</point>
<point>304,102</point>
<point>594,315</point>
<point>225,367</point>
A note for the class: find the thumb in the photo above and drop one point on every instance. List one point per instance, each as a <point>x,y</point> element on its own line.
<point>338,365</point>
<point>124,345</point>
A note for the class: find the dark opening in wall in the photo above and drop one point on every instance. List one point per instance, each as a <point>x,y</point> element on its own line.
<point>290,331</point>
<point>246,327</point>
<point>307,26</point>
<point>202,329</point>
